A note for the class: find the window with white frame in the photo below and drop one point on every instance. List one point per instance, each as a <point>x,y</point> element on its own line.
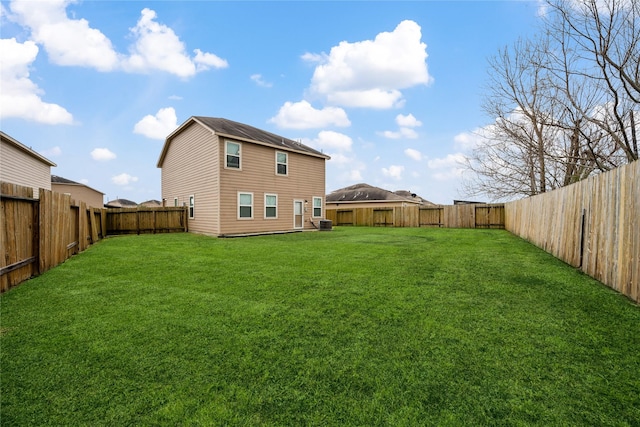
<point>317,207</point>
<point>245,205</point>
<point>271,206</point>
<point>192,206</point>
<point>232,154</point>
<point>175,202</point>
<point>282,160</point>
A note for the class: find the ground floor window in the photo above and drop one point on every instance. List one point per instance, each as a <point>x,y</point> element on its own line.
<point>271,206</point>
<point>192,206</point>
<point>245,205</point>
<point>317,207</point>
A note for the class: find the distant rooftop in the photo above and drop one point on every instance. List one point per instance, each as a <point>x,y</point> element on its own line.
<point>368,193</point>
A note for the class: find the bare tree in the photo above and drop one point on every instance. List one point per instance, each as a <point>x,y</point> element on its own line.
<point>565,105</point>
<point>603,37</point>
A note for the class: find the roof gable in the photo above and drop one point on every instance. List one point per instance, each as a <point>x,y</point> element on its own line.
<point>28,151</point>
<point>55,179</point>
<point>240,131</point>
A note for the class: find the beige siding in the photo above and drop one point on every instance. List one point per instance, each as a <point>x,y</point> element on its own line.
<point>80,193</point>
<point>305,180</point>
<point>190,168</point>
<point>17,167</point>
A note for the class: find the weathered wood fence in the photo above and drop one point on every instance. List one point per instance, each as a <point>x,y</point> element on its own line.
<point>147,220</point>
<point>449,216</point>
<point>38,234</point>
<point>593,224</point>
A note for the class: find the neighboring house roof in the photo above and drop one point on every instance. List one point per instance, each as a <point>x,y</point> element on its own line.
<point>242,132</point>
<point>151,204</point>
<point>121,203</point>
<point>368,193</point>
<point>20,146</point>
<point>60,180</point>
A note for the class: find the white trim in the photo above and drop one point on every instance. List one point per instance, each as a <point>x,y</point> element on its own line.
<point>245,218</point>
<point>301,213</point>
<point>286,163</point>
<point>239,144</point>
<point>266,206</point>
<point>313,207</point>
<point>192,206</point>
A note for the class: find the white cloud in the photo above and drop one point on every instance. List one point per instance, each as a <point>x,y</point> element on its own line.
<point>394,171</point>
<point>66,41</point>
<point>406,124</point>
<point>72,42</point>
<point>467,141</point>
<point>340,159</point>
<point>302,115</point>
<point>21,97</point>
<point>447,168</point>
<point>205,60</point>
<point>260,81</point>
<point>331,140</point>
<point>102,154</point>
<point>414,154</point>
<point>408,121</point>
<point>158,126</point>
<point>406,133</point>
<point>52,152</point>
<point>124,179</point>
<point>157,47</point>
<point>175,98</point>
<point>371,73</point>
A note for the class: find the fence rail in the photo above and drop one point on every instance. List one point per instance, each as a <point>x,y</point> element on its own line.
<point>38,234</point>
<point>147,220</point>
<point>453,216</point>
<point>593,224</point>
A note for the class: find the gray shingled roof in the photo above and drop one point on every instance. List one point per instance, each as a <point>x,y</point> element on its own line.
<point>60,180</point>
<point>121,203</point>
<point>365,192</point>
<point>241,130</point>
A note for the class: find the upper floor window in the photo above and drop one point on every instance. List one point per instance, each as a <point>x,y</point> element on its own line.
<point>232,153</point>
<point>281,163</point>
<point>317,207</point>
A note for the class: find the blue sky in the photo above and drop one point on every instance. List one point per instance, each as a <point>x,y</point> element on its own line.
<point>392,91</point>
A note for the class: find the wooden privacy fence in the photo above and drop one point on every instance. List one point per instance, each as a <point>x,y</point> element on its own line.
<point>147,220</point>
<point>449,216</point>
<point>38,234</point>
<point>593,224</point>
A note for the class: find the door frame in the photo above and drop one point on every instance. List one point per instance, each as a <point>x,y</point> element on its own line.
<point>301,202</point>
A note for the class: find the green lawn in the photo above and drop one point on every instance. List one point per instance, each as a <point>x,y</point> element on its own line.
<point>357,326</point>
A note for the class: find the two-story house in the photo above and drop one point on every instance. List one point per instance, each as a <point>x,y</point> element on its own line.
<point>237,179</point>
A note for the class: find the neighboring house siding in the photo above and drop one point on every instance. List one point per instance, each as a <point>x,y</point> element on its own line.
<point>17,167</point>
<point>305,179</point>
<point>190,168</point>
<point>80,193</point>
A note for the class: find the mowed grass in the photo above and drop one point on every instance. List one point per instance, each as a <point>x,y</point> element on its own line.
<point>357,326</point>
